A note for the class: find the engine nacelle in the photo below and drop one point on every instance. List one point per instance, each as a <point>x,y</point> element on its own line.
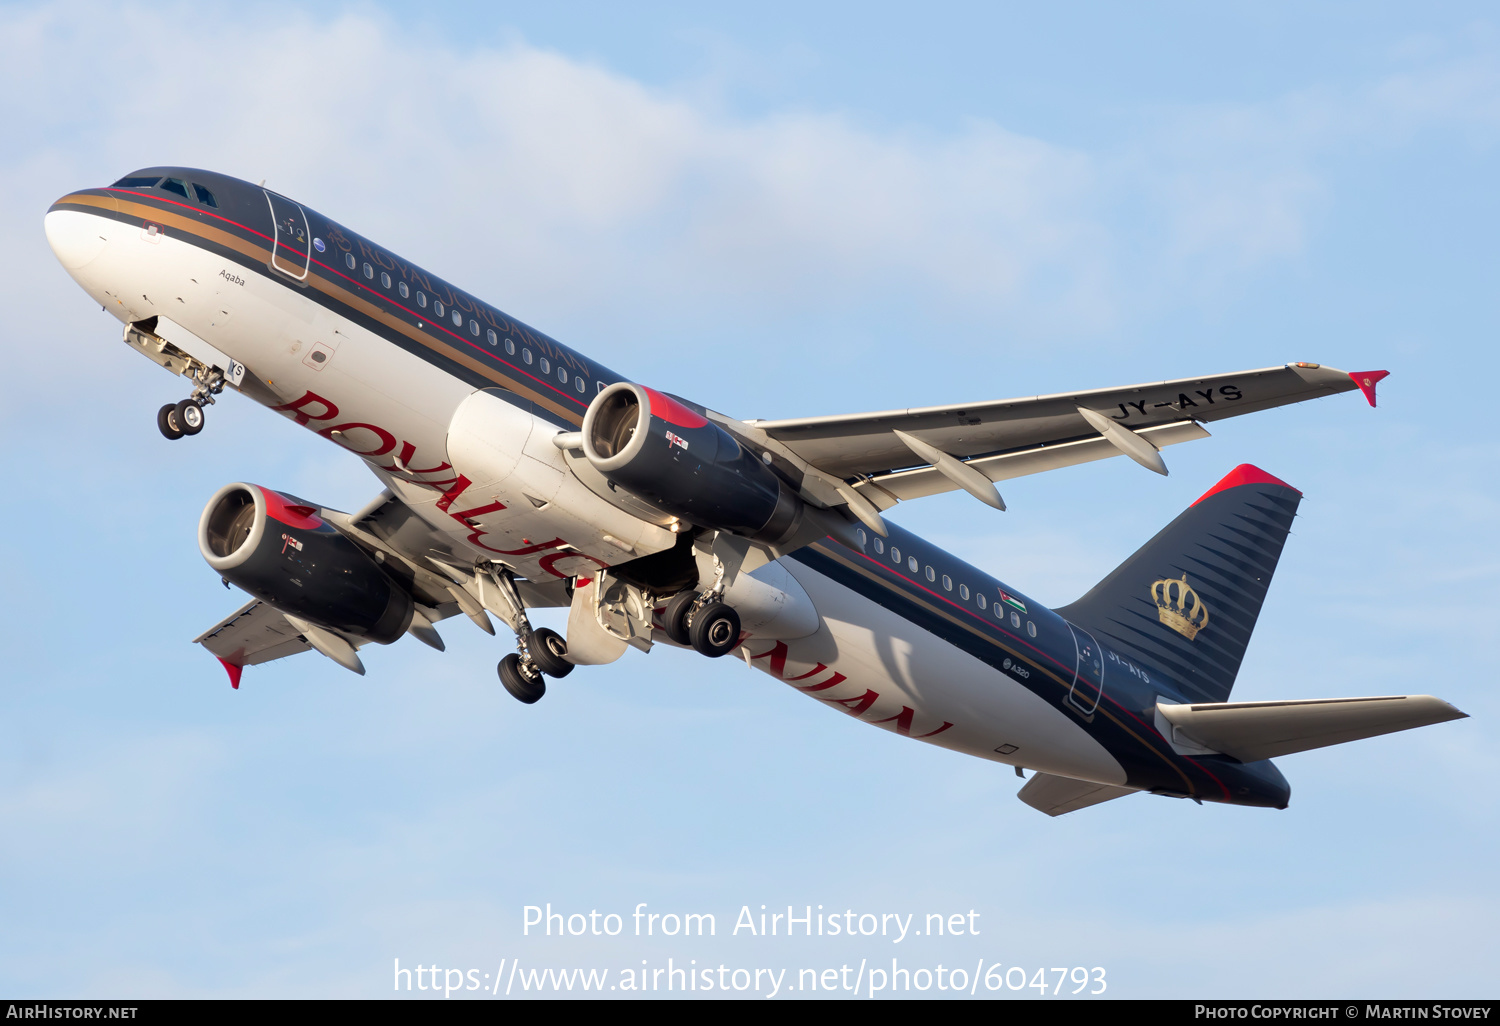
<point>660,451</point>
<point>283,553</point>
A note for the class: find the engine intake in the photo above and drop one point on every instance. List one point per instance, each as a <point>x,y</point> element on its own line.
<point>661,451</point>
<point>278,549</point>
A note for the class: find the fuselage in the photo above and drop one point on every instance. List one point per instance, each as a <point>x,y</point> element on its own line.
<point>383,358</point>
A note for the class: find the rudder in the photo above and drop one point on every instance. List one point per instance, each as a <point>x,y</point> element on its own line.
<point>1187,601</point>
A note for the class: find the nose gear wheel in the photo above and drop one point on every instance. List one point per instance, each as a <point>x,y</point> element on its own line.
<point>166,422</point>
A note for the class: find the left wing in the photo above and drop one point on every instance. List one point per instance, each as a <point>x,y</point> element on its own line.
<point>969,445</point>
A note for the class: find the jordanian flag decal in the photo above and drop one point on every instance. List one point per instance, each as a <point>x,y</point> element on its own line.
<point>1013,602</point>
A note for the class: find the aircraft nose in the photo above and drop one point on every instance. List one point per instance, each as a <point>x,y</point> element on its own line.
<point>75,235</point>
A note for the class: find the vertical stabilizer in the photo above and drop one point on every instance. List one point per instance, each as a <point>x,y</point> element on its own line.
<point>1187,601</point>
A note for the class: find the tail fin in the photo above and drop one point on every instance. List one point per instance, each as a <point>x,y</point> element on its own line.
<point>1188,599</point>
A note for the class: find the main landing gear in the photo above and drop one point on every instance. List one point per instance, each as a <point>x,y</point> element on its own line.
<point>540,652</point>
<point>705,622</point>
<point>544,654</point>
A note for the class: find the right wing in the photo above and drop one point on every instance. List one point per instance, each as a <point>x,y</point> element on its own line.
<point>252,634</point>
<point>420,558</point>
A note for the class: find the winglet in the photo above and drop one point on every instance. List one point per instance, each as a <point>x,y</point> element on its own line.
<point>234,672</point>
<point>1367,380</point>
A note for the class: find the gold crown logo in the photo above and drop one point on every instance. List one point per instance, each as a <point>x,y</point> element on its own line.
<point>1179,607</point>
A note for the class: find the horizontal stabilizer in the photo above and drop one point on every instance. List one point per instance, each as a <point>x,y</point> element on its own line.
<point>1058,795</point>
<point>1251,731</point>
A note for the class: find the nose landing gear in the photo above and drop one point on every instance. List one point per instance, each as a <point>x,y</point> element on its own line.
<point>187,417</point>
<point>177,419</point>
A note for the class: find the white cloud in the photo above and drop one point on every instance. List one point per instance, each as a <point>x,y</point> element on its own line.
<point>560,183</point>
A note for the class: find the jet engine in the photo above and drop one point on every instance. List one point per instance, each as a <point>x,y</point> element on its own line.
<point>661,451</point>
<point>278,549</point>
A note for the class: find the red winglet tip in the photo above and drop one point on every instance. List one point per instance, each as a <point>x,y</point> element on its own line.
<point>1244,474</point>
<point>1367,380</point>
<point>234,672</point>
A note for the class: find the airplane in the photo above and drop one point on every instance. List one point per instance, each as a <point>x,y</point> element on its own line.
<point>520,474</point>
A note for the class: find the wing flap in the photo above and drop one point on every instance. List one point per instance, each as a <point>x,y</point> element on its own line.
<point>1251,731</point>
<point>1057,796</point>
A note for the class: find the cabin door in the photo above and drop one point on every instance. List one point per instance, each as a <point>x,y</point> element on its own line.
<point>291,242</point>
<point>1088,672</point>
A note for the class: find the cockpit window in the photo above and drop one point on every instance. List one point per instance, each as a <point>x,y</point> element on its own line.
<point>136,183</point>
<point>204,196</point>
<point>176,185</point>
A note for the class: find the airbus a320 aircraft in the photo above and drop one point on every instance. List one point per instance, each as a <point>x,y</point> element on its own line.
<point>520,474</point>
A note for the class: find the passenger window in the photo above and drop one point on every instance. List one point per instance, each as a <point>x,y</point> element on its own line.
<point>947,583</point>
<point>474,328</point>
<point>349,260</point>
<point>369,271</point>
<point>1015,619</point>
<point>437,307</point>
<point>1031,628</point>
<point>545,365</point>
<point>879,545</point>
<point>895,555</point>
<point>979,595</point>
<point>458,319</point>
<point>385,280</point>
<point>526,355</point>
<point>562,375</point>
<point>510,347</point>
<point>491,337</point>
<point>204,196</point>
<point>963,592</point>
<point>999,613</point>
<point>579,383</point>
<point>931,574</point>
<point>422,299</point>
<point>911,563</point>
<point>176,185</point>
<point>864,539</point>
<point>401,288</point>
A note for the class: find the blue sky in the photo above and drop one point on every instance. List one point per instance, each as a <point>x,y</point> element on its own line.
<point>791,211</point>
